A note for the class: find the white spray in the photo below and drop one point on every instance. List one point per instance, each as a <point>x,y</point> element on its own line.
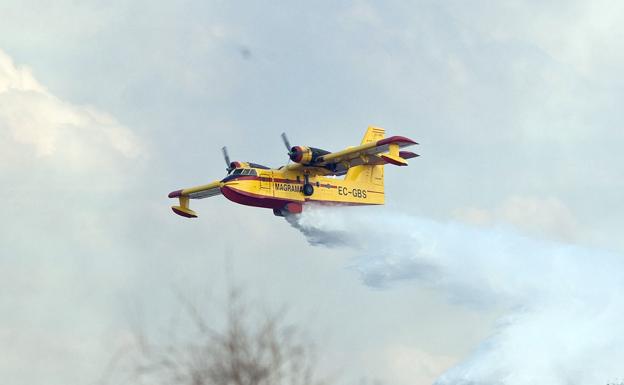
<point>566,308</point>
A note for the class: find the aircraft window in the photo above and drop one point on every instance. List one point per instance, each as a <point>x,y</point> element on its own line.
<point>237,171</point>
<point>253,172</point>
<point>246,171</point>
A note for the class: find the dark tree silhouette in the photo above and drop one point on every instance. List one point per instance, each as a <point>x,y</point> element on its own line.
<point>250,349</point>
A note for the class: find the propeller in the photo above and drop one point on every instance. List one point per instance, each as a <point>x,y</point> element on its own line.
<point>286,143</point>
<point>227,159</point>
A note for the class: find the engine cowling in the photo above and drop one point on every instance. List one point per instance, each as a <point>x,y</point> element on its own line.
<point>305,155</point>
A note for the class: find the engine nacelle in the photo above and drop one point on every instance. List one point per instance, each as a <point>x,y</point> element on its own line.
<point>306,155</point>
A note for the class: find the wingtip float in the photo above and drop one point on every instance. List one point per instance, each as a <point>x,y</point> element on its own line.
<point>313,177</point>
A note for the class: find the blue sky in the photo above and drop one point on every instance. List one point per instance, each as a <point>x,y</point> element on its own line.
<point>105,107</point>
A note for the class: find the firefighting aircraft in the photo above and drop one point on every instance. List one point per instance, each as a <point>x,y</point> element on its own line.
<point>313,177</point>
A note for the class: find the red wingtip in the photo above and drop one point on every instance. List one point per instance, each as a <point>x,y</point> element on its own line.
<point>175,194</point>
<point>395,139</point>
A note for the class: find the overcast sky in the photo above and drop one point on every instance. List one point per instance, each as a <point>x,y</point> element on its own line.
<point>106,106</point>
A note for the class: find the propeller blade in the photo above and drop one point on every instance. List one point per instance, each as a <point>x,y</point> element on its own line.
<point>286,142</point>
<point>226,157</point>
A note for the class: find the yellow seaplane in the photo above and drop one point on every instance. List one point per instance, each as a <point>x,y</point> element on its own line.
<point>354,176</point>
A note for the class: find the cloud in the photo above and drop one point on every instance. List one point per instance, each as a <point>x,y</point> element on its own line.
<point>39,126</point>
<point>583,35</point>
<point>541,217</point>
<point>405,364</point>
<point>508,99</point>
<point>66,169</point>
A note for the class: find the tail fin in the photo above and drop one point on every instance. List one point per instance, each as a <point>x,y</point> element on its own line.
<point>369,173</point>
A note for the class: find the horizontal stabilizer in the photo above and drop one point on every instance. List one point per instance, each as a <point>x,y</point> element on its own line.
<point>394,159</point>
<point>407,154</point>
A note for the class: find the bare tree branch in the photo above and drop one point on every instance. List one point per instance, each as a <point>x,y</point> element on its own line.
<point>248,350</point>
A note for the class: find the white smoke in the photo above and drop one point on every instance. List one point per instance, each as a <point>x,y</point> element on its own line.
<point>565,320</point>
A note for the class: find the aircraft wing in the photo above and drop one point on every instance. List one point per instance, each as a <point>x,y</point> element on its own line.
<point>342,168</point>
<point>383,151</point>
<point>198,192</point>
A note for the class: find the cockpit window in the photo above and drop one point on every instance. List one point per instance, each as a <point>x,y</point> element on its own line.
<point>244,171</point>
<point>249,171</point>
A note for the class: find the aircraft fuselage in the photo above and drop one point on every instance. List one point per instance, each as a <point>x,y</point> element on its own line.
<point>277,189</point>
